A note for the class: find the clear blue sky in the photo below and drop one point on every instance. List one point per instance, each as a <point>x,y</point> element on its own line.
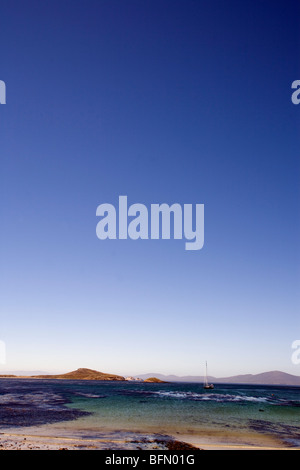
<point>163,101</point>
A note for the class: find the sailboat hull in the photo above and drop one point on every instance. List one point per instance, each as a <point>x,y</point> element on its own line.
<point>206,385</point>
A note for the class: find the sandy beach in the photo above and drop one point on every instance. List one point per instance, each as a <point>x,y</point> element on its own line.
<point>27,442</point>
<point>39,439</point>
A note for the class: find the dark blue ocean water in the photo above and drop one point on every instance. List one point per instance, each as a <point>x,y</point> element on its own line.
<point>176,408</point>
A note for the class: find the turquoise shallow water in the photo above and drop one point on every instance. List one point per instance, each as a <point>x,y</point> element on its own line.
<point>233,411</point>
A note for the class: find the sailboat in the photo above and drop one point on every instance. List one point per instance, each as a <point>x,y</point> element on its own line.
<point>206,384</point>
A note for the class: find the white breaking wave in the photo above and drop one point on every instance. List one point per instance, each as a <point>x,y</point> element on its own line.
<point>217,397</point>
<point>89,395</point>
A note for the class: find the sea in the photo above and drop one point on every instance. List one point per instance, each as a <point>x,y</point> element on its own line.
<point>228,414</point>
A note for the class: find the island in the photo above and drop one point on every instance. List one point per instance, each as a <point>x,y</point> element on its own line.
<point>154,380</point>
<point>79,374</point>
<point>83,374</point>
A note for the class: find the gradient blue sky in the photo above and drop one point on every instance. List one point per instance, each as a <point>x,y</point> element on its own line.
<point>163,101</point>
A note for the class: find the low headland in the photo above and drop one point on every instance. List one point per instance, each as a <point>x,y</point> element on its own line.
<point>84,374</point>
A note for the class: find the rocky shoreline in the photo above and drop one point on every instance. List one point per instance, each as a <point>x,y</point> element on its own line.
<point>28,442</point>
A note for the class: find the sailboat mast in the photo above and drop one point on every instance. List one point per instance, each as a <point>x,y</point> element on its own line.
<point>206,384</point>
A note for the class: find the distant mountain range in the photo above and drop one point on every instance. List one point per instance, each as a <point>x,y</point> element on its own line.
<point>266,378</point>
